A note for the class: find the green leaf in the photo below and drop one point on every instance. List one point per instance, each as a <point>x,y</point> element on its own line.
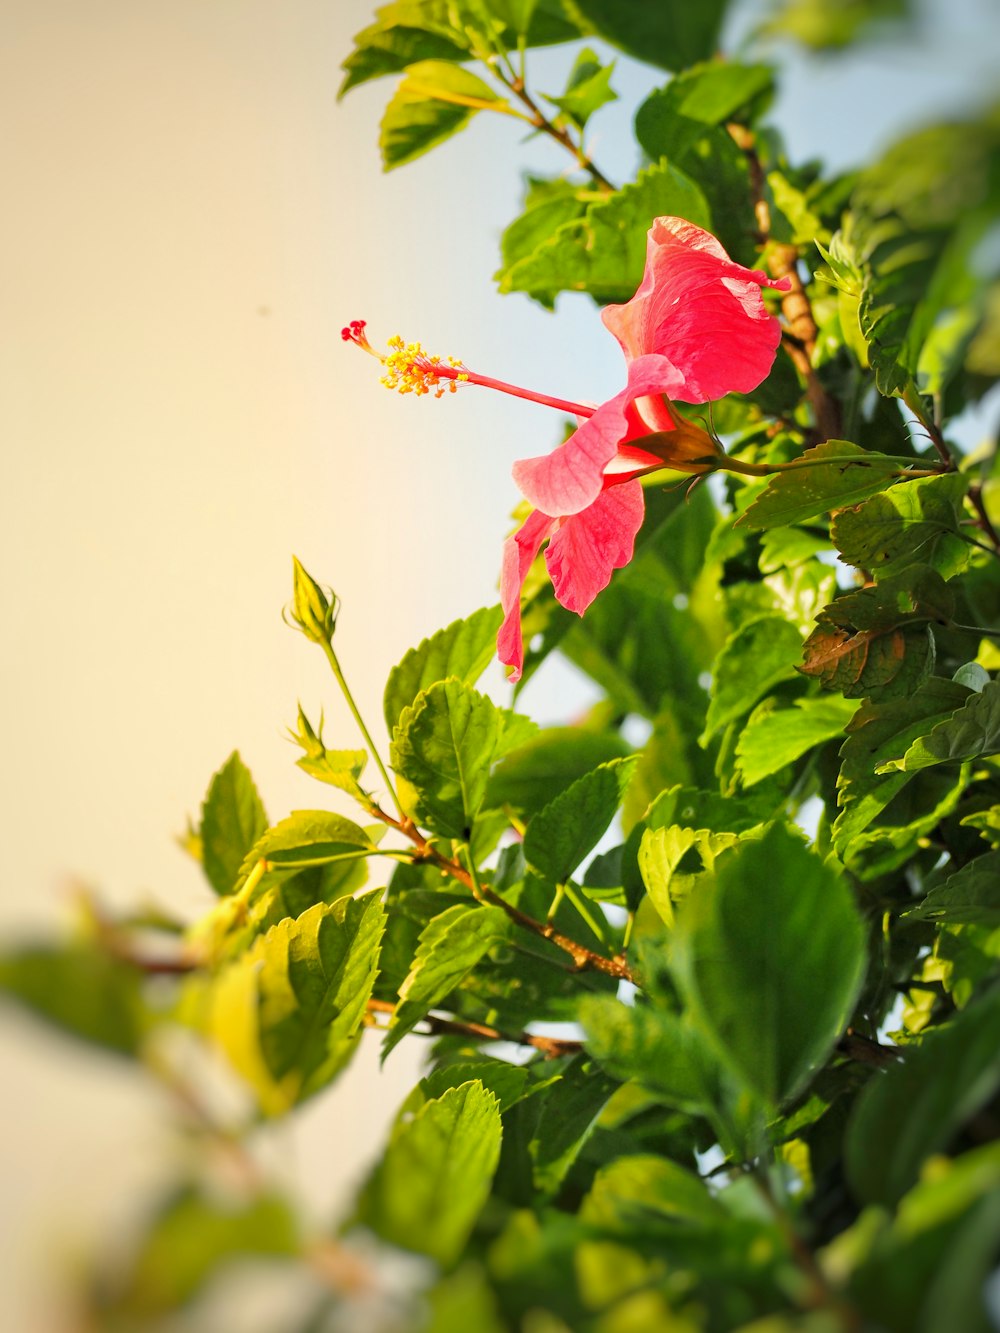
<point>532,775</point>
<point>873,829</point>
<point>915,1109</point>
<point>972,732</point>
<point>775,736</point>
<point>81,990</point>
<point>309,838</point>
<point>570,826</point>
<point>568,1113</point>
<point>232,819</point>
<point>771,961</point>
<point>670,36</point>
<point>971,896</point>
<point>443,747</point>
<point>877,640</point>
<point>464,650</point>
<point>289,1012</point>
<point>430,1186</point>
<point>661,851</point>
<point>640,1193</point>
<point>658,1049</point>
<point>402,35</point>
<point>755,658</point>
<point>675,117</point>
<point>508,1083</point>
<point>851,475</point>
<point>191,1239</point>
<point>547,205</point>
<point>450,946</point>
<point>821,26</point>
<point>587,88</point>
<point>435,100</point>
<point>604,252</point>
<point>914,523</point>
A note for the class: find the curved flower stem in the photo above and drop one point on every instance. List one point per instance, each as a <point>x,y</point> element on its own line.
<point>584,959</point>
<point>331,657</point>
<point>550,1047</point>
<point>537,118</point>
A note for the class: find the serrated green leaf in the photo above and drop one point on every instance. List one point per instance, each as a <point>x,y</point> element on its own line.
<point>675,117</point>
<point>430,1186</point>
<point>658,1049</point>
<point>914,1109</point>
<point>81,990</point>
<point>587,88</point>
<point>913,523</point>
<point>775,736</point>
<point>972,732</point>
<point>971,896</point>
<point>547,206</point>
<point>508,1083</point>
<point>670,36</point>
<point>559,837</point>
<point>771,961</point>
<point>851,475</point>
<point>449,948</point>
<point>568,1113</point>
<point>464,649</point>
<point>661,851</point>
<point>232,819</point>
<point>758,656</point>
<point>443,747</point>
<point>863,833</point>
<point>531,776</point>
<point>604,252</point>
<point>435,100</point>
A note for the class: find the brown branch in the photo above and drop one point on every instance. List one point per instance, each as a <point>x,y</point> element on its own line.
<point>550,1047</point>
<point>864,1051</point>
<point>561,135</point>
<point>983,521</point>
<point>584,959</point>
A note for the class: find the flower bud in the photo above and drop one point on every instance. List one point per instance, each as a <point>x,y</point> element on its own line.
<point>312,611</point>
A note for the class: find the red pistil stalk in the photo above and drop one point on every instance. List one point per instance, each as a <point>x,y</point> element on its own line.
<point>408,369</point>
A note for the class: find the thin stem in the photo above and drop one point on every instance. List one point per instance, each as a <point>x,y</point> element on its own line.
<point>726,463</point>
<point>983,519</point>
<point>331,657</point>
<point>584,959</point>
<point>550,1047</point>
<point>914,402</point>
<point>560,134</point>
<point>578,902</point>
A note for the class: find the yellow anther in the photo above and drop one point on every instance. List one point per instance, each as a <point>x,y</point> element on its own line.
<point>408,369</point>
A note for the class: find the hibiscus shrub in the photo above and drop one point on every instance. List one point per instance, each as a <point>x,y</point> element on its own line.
<point>707,982</point>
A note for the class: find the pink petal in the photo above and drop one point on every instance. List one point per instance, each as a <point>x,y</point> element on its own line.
<point>586,547</point>
<point>570,478</point>
<point>701,311</point>
<point>518,553</point>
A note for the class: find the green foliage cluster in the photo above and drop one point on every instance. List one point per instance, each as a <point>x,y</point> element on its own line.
<point>773,927</point>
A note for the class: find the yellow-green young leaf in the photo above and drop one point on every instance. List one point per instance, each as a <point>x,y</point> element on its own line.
<point>915,523</point>
<point>570,826</point>
<point>759,655</point>
<point>774,737</point>
<point>433,102</point>
<point>443,747</point>
<point>587,88</point>
<point>449,948</point>
<point>913,1110</point>
<point>972,732</point>
<point>661,851</point>
<point>430,1186</point>
<point>464,650</point>
<point>190,1240</point>
<point>82,991</point>
<point>642,1194</point>
<point>309,838</point>
<point>340,768</point>
<point>851,475</point>
<point>288,1013</point>
<point>232,819</point>
<point>771,960</point>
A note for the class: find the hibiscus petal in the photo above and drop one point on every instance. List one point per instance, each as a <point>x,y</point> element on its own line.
<point>570,478</point>
<point>518,553</point>
<point>586,547</point>
<point>701,311</point>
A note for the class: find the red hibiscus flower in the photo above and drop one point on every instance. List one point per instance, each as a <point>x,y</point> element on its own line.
<point>695,330</point>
